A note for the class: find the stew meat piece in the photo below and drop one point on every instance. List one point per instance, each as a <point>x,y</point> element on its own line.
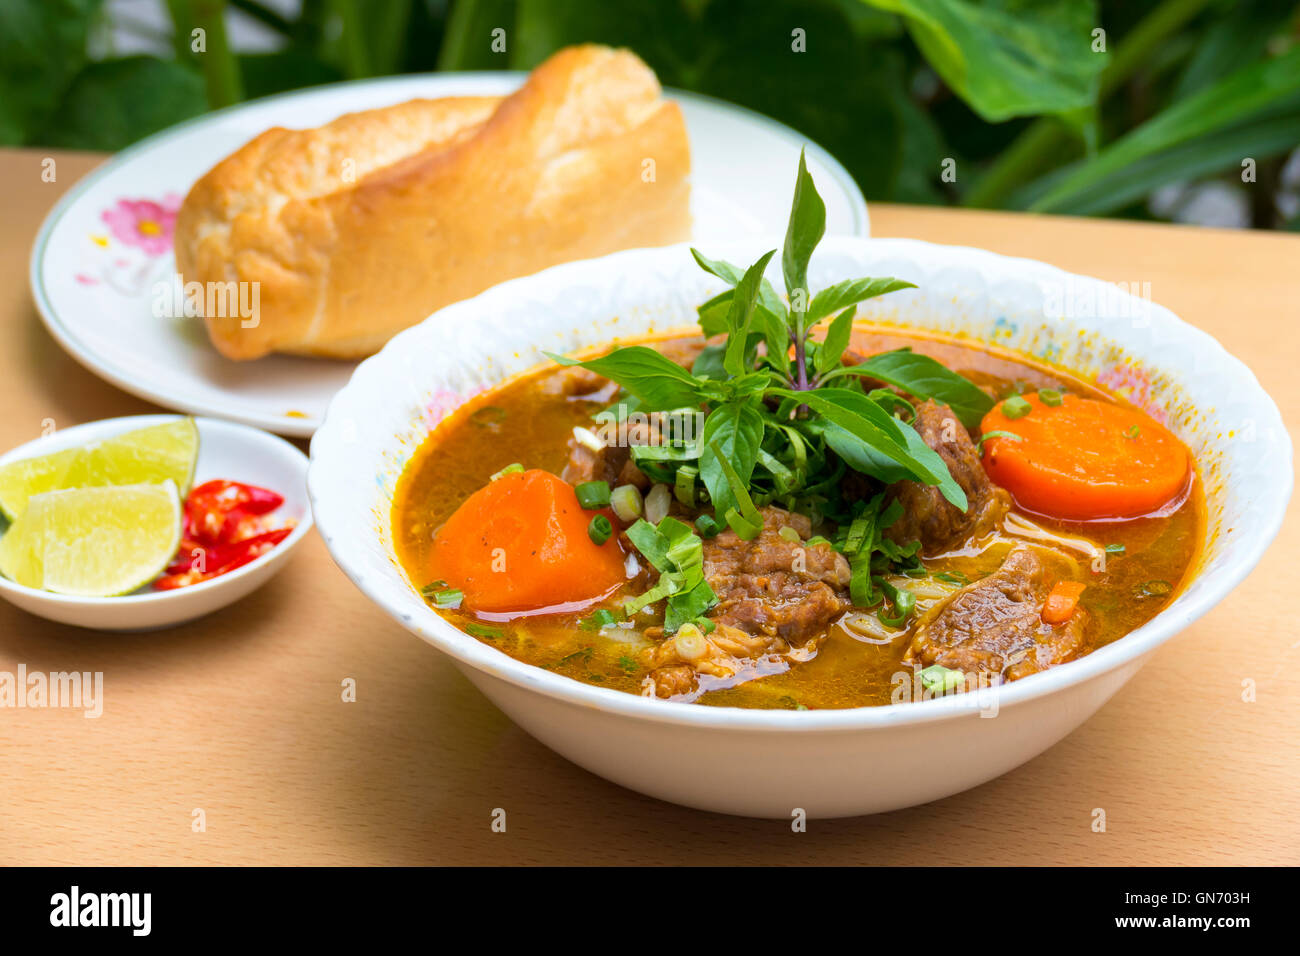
<point>773,594</point>
<point>613,463</point>
<point>930,517</point>
<point>994,626</point>
<point>774,586</point>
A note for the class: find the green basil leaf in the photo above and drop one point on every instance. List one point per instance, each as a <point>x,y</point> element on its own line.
<point>736,428</point>
<point>862,417</point>
<point>659,382</point>
<point>850,292</point>
<point>713,314</point>
<point>836,341</point>
<point>923,377</point>
<point>741,315</point>
<point>806,228</point>
<point>732,274</point>
<point>708,364</point>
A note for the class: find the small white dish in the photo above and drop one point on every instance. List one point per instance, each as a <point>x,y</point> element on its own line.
<point>104,288</point>
<point>828,763</point>
<point>226,450</point>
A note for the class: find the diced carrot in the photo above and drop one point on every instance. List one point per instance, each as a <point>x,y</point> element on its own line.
<point>1085,459</point>
<point>1062,601</point>
<point>521,544</point>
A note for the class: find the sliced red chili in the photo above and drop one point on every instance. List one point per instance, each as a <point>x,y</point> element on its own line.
<point>222,511</point>
<point>202,563</point>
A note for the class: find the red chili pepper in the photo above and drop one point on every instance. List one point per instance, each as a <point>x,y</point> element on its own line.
<point>222,512</point>
<point>196,562</point>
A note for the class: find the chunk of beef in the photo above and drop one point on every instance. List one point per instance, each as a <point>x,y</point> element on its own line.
<point>776,598</point>
<point>775,586</point>
<point>613,464</point>
<point>994,626</point>
<point>930,517</point>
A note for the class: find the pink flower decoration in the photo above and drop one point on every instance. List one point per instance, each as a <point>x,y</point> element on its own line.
<point>143,223</point>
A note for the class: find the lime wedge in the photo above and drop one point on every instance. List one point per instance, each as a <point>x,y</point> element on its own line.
<point>153,454</point>
<point>94,542</point>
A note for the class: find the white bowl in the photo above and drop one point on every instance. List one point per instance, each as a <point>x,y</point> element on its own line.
<point>828,762</point>
<point>226,450</point>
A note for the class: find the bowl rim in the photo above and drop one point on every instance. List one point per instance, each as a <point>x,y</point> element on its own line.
<point>177,595</point>
<point>1131,649</point>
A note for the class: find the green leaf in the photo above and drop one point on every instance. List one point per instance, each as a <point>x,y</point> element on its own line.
<point>806,228</point>
<point>42,47</point>
<point>1008,58</point>
<point>770,310</point>
<point>863,418</point>
<point>836,341</point>
<point>1258,91</point>
<point>708,364</point>
<point>112,104</point>
<point>735,430</point>
<point>467,37</point>
<point>741,314</point>
<point>923,377</point>
<point>850,292</point>
<point>660,383</point>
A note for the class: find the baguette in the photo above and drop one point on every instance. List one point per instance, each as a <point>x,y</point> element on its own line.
<point>445,198</point>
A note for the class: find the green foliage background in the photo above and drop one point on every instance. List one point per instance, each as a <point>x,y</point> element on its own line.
<point>1015,91</point>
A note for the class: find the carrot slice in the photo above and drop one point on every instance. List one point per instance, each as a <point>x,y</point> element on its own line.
<point>521,544</point>
<point>1083,459</point>
<point>1062,601</point>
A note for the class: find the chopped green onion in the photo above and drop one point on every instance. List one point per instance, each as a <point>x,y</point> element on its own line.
<point>508,470</point>
<point>1133,432</point>
<point>1154,589</point>
<point>485,631</point>
<point>861,591</point>
<point>599,529</point>
<point>489,416</point>
<point>705,625</point>
<point>816,540</point>
<point>1050,397</point>
<point>857,535</point>
<point>657,503</point>
<point>790,534</point>
<point>996,433</point>
<point>626,502</point>
<point>601,617</point>
<point>433,587</point>
<point>666,587</point>
<point>953,577</point>
<point>593,494</point>
<point>707,526</point>
<point>744,528</point>
<point>449,598</point>
<point>941,680</point>
<point>1114,549</point>
<point>684,485</point>
<point>1016,407</point>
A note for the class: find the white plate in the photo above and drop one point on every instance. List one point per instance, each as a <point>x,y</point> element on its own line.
<point>97,294</point>
<point>226,450</point>
<point>828,762</point>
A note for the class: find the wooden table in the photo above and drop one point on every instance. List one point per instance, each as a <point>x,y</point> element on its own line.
<point>240,715</point>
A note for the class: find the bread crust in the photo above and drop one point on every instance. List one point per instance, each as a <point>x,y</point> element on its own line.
<point>445,198</point>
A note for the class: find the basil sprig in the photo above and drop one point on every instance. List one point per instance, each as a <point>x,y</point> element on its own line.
<point>787,420</point>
